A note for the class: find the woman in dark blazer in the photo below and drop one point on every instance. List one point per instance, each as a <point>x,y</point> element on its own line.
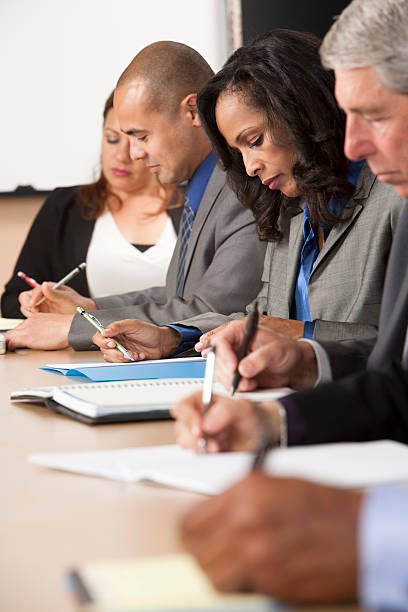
<point>124,226</point>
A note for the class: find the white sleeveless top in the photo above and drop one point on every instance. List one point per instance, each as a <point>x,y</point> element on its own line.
<point>113,265</point>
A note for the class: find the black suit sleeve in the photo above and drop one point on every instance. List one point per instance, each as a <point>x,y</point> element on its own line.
<point>58,241</point>
<point>370,406</point>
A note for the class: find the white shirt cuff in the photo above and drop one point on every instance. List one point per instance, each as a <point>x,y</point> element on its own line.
<point>324,371</point>
<point>383,543</point>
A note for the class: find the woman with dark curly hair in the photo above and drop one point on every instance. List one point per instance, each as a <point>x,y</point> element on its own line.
<point>272,117</point>
<point>124,225</point>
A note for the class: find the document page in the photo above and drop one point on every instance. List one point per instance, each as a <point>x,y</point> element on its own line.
<point>344,465</point>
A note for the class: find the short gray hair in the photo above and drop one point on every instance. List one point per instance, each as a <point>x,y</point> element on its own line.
<point>371,33</point>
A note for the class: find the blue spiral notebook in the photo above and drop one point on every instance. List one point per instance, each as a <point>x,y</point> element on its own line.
<point>187,367</point>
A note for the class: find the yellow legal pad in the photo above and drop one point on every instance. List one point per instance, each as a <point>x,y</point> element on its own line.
<point>173,582</point>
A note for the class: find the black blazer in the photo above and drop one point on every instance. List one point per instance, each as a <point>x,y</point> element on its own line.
<point>58,241</point>
<point>370,406</point>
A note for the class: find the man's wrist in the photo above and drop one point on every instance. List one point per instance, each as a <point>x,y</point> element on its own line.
<point>171,339</point>
<point>271,416</point>
<point>306,372</point>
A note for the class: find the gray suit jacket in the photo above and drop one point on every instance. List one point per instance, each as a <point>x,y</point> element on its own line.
<point>222,269</point>
<point>377,353</point>
<point>346,283</point>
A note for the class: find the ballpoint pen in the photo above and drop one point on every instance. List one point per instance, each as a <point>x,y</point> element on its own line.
<point>30,281</point>
<point>267,437</point>
<point>250,329</point>
<point>207,393</point>
<point>98,325</point>
<point>64,280</point>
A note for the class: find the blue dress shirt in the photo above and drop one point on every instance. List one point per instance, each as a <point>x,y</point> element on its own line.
<point>310,252</point>
<point>195,191</point>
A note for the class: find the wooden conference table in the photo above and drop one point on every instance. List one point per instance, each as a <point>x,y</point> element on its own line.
<point>51,521</point>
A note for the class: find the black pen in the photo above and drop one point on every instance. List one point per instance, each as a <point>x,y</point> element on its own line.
<point>262,450</point>
<point>250,329</point>
<point>267,437</point>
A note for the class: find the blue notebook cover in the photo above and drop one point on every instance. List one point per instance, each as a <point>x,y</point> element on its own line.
<point>192,367</point>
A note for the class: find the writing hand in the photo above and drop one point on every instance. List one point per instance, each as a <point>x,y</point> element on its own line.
<point>228,425</point>
<point>60,301</point>
<point>274,360</point>
<point>142,340</point>
<point>287,538</point>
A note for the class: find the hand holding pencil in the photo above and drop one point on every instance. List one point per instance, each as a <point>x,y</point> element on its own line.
<point>49,298</point>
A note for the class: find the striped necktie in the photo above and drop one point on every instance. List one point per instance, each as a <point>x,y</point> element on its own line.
<point>186,225</point>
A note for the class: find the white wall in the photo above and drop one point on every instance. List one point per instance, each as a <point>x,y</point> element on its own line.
<point>59,60</point>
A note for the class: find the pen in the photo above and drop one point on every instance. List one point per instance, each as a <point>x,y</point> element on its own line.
<point>64,280</point>
<point>267,437</point>
<point>207,392</point>
<point>30,281</point>
<point>262,450</point>
<point>98,325</point>
<point>250,329</point>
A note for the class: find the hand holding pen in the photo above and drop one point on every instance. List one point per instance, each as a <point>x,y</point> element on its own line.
<point>250,329</point>
<point>98,325</point>
<point>63,281</point>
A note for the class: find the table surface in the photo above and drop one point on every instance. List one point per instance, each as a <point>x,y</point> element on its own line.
<point>51,521</point>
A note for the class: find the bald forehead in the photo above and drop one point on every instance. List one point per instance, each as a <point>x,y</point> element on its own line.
<point>134,110</point>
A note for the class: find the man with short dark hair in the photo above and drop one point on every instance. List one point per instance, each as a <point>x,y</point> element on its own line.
<point>218,259</point>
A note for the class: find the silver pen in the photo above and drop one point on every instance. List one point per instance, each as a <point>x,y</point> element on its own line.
<point>207,393</point>
<point>64,280</point>
<point>98,325</point>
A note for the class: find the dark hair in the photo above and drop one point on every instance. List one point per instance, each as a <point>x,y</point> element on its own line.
<point>280,74</point>
<point>93,197</point>
<point>171,71</point>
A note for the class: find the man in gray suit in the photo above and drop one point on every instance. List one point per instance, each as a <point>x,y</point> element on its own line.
<point>218,259</point>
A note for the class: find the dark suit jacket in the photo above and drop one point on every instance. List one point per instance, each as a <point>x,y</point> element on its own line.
<point>373,404</point>
<point>58,241</point>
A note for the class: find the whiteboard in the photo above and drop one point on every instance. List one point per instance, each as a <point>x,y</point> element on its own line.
<point>60,59</point>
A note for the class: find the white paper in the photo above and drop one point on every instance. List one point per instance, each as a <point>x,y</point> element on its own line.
<point>344,465</point>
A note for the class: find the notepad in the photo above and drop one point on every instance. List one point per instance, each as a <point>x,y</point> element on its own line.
<point>344,465</point>
<point>164,583</point>
<point>187,367</point>
<point>115,402</point>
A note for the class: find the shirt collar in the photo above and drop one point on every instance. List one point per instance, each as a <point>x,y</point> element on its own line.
<point>199,180</point>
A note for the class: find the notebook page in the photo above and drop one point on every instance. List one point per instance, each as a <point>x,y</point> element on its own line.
<point>145,392</point>
<point>345,465</point>
<point>152,391</point>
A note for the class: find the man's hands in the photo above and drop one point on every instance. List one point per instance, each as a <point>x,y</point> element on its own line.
<point>62,301</point>
<point>287,538</point>
<point>41,331</point>
<point>141,340</point>
<point>274,360</point>
<point>229,424</point>
<point>287,327</point>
